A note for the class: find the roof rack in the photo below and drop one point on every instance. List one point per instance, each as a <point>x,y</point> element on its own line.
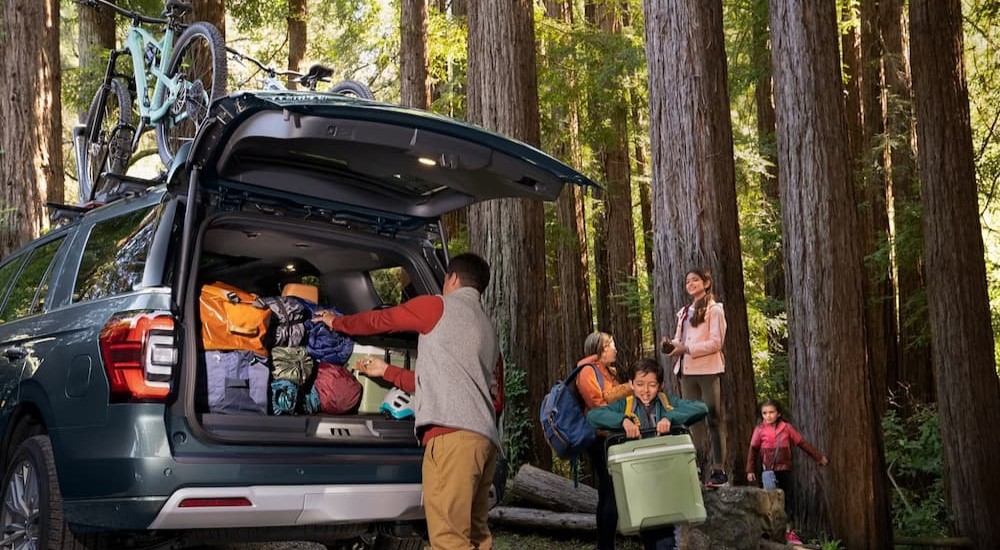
<point>68,213</point>
<point>120,186</point>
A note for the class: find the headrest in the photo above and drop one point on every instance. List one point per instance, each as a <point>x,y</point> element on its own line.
<point>300,290</point>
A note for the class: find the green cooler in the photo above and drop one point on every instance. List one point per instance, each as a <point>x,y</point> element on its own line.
<point>656,483</point>
<point>373,390</point>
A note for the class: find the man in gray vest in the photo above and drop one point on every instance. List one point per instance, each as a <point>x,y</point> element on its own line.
<point>457,354</point>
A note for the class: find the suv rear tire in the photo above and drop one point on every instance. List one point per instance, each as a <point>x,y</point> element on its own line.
<point>32,502</point>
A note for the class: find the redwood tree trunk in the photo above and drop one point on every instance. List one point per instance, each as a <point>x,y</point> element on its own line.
<point>914,356</point>
<point>964,368</point>
<point>298,36</point>
<point>509,233</point>
<point>774,269</point>
<point>824,272</point>
<point>31,160</point>
<point>694,191</point>
<point>614,248</point>
<point>414,84</point>
<point>213,11</point>
<point>571,238</point>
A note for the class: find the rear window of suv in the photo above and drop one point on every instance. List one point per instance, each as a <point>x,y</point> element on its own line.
<point>115,256</point>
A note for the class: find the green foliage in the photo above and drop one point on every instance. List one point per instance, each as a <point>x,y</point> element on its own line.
<point>518,423</point>
<point>913,457</point>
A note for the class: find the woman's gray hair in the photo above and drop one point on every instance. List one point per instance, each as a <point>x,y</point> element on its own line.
<point>595,343</point>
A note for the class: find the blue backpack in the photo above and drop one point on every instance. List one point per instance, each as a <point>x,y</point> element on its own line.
<point>563,420</point>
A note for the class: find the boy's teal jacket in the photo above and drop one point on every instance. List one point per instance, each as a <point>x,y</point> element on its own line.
<point>679,411</point>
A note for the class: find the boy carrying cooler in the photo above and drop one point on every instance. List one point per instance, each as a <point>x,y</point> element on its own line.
<point>648,408</point>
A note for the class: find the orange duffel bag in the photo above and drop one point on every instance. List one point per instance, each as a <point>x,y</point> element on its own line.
<point>232,319</point>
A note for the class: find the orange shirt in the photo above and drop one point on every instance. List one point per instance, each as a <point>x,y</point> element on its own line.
<point>595,394</point>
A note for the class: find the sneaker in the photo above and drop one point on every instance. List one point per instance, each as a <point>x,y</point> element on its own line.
<point>791,537</point>
<point>717,479</point>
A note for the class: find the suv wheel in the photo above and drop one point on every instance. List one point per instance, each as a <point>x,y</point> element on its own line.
<point>32,504</point>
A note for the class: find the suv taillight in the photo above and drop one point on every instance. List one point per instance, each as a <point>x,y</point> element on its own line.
<point>139,352</point>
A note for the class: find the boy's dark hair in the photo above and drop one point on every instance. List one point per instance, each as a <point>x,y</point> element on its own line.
<point>647,365</point>
<point>472,270</point>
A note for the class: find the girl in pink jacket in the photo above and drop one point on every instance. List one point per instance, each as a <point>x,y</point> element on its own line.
<point>697,348</point>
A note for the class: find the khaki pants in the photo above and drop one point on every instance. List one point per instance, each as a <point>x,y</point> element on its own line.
<point>457,475</point>
<point>707,388</point>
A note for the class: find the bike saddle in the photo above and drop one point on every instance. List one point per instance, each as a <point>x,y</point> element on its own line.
<point>178,7</point>
<point>318,72</point>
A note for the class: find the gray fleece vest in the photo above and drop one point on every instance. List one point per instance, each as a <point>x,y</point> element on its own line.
<point>455,367</point>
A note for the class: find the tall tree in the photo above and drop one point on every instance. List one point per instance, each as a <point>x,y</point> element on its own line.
<point>774,269</point>
<point>95,37</point>
<point>298,35</point>
<point>914,356</point>
<point>509,233</point>
<point>694,190</point>
<point>570,235</point>
<point>609,104</point>
<point>824,272</point>
<point>414,84</point>
<point>31,157</point>
<point>963,355</point>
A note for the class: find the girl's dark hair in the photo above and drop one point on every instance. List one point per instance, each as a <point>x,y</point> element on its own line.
<point>777,406</point>
<point>701,305</point>
<point>647,365</point>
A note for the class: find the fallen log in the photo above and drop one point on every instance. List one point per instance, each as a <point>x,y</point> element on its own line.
<point>552,491</point>
<point>543,519</point>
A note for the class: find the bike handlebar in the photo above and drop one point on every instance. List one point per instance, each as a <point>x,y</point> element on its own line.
<point>136,16</point>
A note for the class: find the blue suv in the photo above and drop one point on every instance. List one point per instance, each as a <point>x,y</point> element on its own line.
<point>107,438</point>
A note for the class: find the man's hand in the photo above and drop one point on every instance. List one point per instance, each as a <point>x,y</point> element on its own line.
<point>751,477</point>
<point>326,317</point>
<point>663,426</point>
<point>371,366</point>
<point>631,430</point>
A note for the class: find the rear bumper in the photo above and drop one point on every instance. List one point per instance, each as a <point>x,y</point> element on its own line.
<point>288,505</point>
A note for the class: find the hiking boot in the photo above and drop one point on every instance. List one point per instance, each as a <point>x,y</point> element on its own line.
<point>717,479</point>
<point>792,538</point>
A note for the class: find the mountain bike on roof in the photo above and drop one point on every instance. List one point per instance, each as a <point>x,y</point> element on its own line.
<point>309,80</point>
<point>173,81</point>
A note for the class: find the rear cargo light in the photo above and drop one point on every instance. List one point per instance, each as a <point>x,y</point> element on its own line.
<point>214,502</point>
<point>139,352</point>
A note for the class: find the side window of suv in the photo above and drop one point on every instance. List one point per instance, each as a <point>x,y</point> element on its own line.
<point>7,273</point>
<point>28,293</point>
<point>115,256</point>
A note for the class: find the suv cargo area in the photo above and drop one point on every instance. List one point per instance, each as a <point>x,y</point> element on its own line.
<point>350,271</point>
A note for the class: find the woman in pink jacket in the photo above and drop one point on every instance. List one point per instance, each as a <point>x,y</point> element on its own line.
<point>697,347</point>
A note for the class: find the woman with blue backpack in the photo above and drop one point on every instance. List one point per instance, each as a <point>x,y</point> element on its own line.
<point>598,387</point>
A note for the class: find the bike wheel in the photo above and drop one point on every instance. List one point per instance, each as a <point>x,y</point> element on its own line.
<point>199,63</point>
<point>352,88</point>
<point>108,138</point>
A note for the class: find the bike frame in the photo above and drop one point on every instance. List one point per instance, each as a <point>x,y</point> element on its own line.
<point>154,106</point>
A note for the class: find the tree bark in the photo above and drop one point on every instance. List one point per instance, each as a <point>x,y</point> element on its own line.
<point>95,38</point>
<point>694,192</point>
<point>509,233</point>
<point>543,519</point>
<point>414,84</point>
<point>31,160</point>
<point>298,36</point>
<point>914,357</point>
<point>213,11</point>
<point>963,352</point>
<point>880,310</point>
<point>824,272</point>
